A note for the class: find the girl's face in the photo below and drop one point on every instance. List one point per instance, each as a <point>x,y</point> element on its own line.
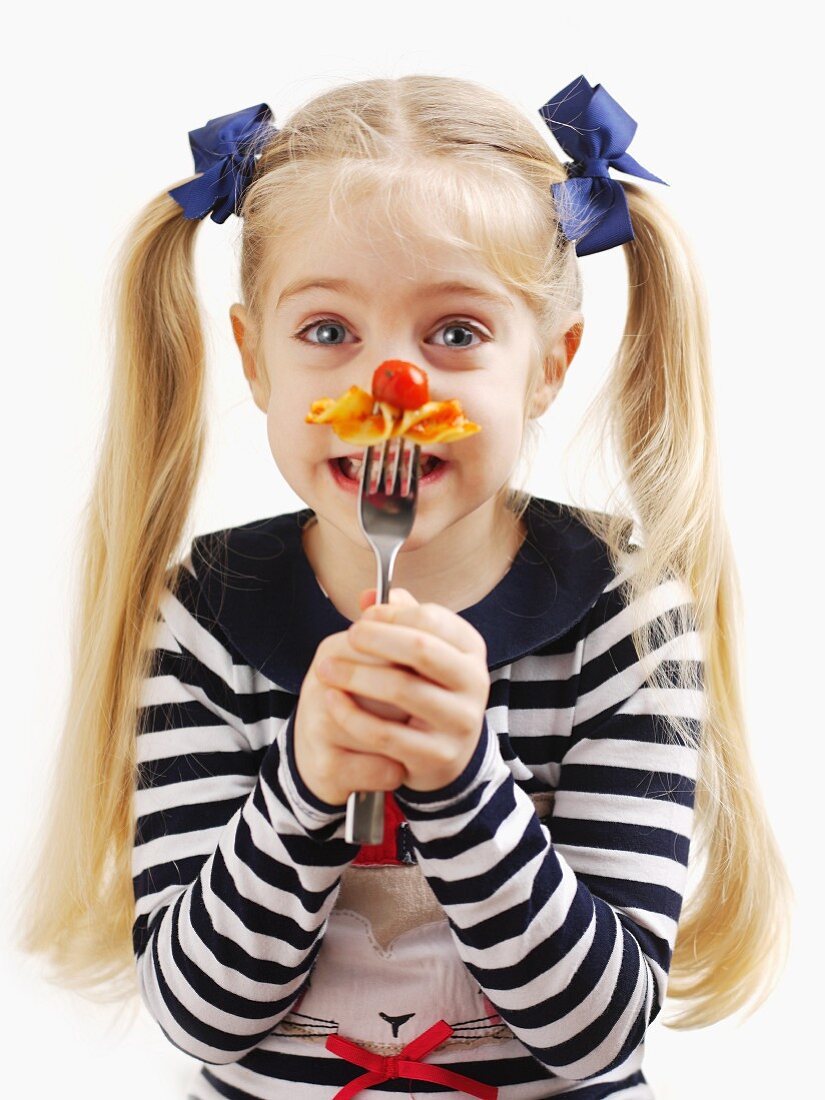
<point>381,302</point>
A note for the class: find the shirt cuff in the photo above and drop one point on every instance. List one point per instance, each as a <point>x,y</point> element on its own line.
<point>312,812</point>
<point>480,768</point>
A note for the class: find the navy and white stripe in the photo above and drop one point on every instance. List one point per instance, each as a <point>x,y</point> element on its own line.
<point>568,924</point>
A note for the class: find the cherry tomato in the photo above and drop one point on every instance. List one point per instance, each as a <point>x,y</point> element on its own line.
<point>401,384</point>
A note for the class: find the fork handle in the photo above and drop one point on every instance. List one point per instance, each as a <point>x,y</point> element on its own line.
<point>365,817</point>
<point>365,809</point>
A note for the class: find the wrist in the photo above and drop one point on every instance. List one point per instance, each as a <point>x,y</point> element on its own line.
<point>311,811</point>
<point>472,774</point>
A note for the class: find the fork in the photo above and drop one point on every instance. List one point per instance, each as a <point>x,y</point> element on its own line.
<point>387,501</point>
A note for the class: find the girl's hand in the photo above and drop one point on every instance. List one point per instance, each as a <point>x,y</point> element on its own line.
<point>439,676</point>
<point>324,753</point>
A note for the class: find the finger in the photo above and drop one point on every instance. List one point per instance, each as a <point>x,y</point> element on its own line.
<point>402,596</point>
<point>419,698</point>
<point>361,731</point>
<point>366,598</point>
<point>364,771</point>
<point>427,654</point>
<point>398,596</point>
<point>432,618</point>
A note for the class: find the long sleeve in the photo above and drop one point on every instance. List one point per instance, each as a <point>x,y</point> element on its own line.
<point>569,923</point>
<point>234,871</point>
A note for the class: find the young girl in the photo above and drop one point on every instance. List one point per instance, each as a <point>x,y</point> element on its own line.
<point>570,678</point>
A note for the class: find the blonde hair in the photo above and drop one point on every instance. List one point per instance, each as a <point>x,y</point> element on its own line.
<point>448,160</point>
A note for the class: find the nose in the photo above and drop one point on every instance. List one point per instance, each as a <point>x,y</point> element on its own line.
<point>372,356</point>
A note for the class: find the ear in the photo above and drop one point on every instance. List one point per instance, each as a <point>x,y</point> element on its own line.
<point>254,371</point>
<point>563,347</point>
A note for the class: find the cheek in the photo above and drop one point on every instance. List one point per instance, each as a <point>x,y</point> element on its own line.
<point>487,457</point>
<point>282,423</point>
<point>500,420</point>
<point>291,440</point>
<point>273,432</point>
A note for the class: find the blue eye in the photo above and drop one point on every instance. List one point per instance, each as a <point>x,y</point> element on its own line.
<point>327,323</point>
<point>467,327</point>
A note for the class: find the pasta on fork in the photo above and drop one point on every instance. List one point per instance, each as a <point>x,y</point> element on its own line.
<point>399,405</point>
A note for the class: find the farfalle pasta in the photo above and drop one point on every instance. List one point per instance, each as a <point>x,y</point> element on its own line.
<point>366,418</point>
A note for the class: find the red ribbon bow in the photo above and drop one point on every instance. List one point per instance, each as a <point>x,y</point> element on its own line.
<point>405,1064</point>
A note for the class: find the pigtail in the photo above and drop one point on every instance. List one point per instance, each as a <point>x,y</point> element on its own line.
<point>656,412</point>
<point>79,903</point>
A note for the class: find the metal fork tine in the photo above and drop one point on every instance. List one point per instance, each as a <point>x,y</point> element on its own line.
<point>374,464</point>
<point>393,451</point>
<point>387,460</point>
<point>409,470</point>
<point>381,464</point>
<point>383,485</point>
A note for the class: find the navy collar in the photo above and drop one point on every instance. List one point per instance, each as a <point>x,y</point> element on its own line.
<point>263,593</point>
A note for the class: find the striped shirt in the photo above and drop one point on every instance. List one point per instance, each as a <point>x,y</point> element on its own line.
<point>512,935</point>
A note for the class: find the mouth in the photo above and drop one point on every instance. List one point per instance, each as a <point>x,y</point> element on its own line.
<point>351,465</point>
<point>348,468</point>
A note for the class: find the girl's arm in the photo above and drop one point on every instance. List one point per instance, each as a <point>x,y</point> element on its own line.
<point>234,872</point>
<point>569,926</point>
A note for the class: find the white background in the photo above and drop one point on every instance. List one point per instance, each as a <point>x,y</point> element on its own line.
<point>98,102</point>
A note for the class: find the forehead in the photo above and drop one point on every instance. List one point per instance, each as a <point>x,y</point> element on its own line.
<point>362,248</point>
<point>302,286</point>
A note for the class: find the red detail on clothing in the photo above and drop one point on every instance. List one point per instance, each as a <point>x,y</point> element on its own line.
<point>387,850</point>
<point>405,1064</point>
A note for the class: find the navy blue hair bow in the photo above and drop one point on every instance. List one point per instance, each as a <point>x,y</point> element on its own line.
<point>595,131</point>
<point>224,151</point>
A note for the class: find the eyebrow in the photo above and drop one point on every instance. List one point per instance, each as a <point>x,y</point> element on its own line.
<point>292,290</point>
